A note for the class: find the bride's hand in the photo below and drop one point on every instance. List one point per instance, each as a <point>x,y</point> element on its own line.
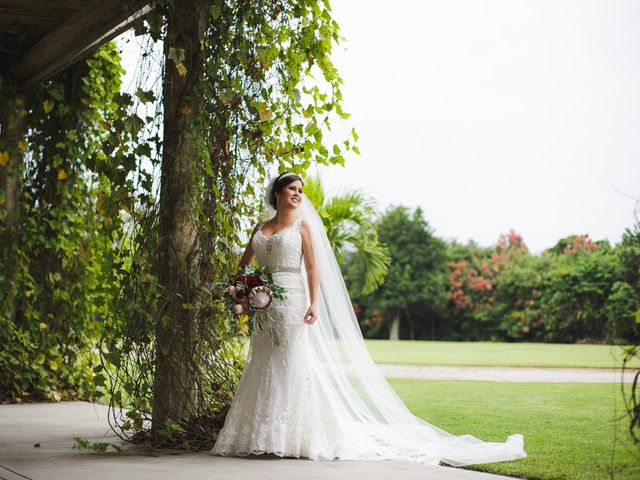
<point>312,315</point>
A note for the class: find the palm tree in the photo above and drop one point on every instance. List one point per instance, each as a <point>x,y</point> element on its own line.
<point>349,219</point>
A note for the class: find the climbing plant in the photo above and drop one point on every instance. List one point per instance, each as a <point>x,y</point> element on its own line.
<point>86,294</point>
<point>75,195</point>
<point>265,94</point>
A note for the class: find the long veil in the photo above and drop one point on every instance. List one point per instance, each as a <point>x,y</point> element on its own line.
<point>353,382</point>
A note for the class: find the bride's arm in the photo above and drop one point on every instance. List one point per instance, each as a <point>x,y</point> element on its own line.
<point>247,256</point>
<point>312,274</point>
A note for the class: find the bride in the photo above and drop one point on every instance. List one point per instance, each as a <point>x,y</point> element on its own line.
<point>317,393</point>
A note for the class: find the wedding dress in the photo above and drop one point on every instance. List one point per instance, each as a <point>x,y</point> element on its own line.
<point>279,406</point>
<point>317,393</point>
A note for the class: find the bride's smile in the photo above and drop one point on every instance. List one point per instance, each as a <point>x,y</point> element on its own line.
<point>291,194</point>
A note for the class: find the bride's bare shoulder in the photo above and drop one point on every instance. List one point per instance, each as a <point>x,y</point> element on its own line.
<point>304,227</point>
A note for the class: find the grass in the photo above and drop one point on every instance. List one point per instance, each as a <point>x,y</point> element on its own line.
<point>499,354</point>
<point>571,431</point>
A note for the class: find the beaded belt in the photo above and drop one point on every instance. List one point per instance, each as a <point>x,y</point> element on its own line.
<point>281,268</point>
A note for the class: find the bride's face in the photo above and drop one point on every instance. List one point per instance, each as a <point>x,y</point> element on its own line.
<point>291,195</point>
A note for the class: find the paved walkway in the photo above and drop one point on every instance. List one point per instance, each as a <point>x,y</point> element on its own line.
<point>52,426</point>
<point>506,374</point>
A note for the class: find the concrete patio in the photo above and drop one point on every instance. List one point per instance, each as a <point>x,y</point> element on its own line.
<point>53,426</point>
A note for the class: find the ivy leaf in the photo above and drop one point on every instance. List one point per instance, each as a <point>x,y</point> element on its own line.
<point>176,54</point>
<point>182,70</point>
<point>57,92</point>
<point>215,12</point>
<point>145,96</point>
<point>133,124</point>
<point>144,149</point>
<point>265,115</point>
<point>62,175</point>
<point>53,365</point>
<point>47,106</point>
<point>99,380</point>
<point>4,158</point>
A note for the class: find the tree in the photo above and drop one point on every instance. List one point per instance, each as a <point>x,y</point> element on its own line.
<point>414,294</point>
<point>576,289</point>
<point>493,290</point>
<point>349,219</point>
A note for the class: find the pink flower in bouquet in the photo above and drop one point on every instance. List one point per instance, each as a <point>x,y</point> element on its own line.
<point>232,291</point>
<point>238,309</point>
<point>260,297</point>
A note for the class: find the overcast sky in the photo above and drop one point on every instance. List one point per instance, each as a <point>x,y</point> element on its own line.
<point>495,115</point>
<point>492,114</point>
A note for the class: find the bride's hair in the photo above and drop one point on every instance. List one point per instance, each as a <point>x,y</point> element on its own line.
<point>281,181</point>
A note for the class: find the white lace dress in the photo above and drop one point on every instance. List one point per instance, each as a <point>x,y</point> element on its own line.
<point>279,406</point>
<point>317,394</point>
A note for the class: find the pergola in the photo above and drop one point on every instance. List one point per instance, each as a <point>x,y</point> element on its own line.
<point>39,38</point>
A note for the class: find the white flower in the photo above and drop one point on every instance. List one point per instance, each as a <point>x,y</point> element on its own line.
<point>238,309</point>
<point>260,297</point>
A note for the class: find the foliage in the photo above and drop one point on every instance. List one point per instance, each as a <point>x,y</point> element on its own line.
<point>492,291</point>
<point>350,222</point>
<point>73,184</point>
<point>265,93</point>
<point>575,294</point>
<point>577,290</point>
<point>97,447</point>
<point>625,322</point>
<point>415,287</point>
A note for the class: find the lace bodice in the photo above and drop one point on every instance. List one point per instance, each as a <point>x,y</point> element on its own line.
<point>283,248</point>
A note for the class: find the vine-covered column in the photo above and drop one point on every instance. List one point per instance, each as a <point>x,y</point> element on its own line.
<point>174,381</point>
<point>12,146</point>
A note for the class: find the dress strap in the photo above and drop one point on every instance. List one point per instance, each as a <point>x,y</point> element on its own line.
<point>258,227</point>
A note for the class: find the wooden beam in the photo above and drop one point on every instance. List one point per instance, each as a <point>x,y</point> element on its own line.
<point>96,24</point>
<point>13,130</point>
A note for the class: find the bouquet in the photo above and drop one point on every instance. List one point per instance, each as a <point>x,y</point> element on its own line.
<point>249,297</point>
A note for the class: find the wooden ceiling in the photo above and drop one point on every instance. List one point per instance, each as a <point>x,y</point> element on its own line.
<point>39,38</point>
<point>23,22</point>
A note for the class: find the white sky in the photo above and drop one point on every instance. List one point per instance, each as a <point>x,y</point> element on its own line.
<point>493,115</point>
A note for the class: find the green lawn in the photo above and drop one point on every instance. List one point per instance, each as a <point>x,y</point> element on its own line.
<point>423,352</point>
<point>570,430</point>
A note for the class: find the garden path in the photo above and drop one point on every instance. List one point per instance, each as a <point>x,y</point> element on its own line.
<point>505,374</point>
